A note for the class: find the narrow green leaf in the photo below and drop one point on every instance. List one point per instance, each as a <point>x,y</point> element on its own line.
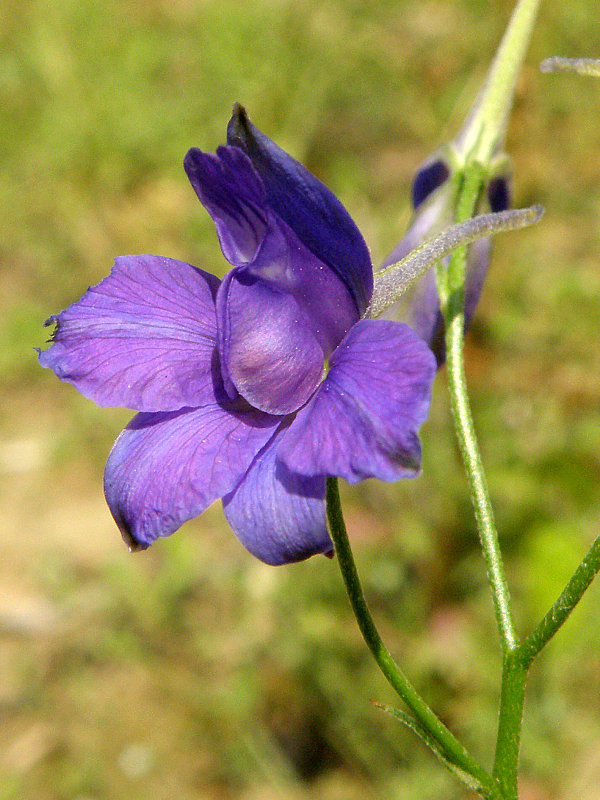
<point>473,783</point>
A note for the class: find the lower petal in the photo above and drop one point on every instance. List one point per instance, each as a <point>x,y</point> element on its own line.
<point>478,261</point>
<point>425,316</point>
<point>277,515</point>
<point>363,420</point>
<point>166,468</point>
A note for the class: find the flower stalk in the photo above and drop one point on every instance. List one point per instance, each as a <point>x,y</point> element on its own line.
<point>452,750</point>
<point>480,142</point>
<point>475,154</point>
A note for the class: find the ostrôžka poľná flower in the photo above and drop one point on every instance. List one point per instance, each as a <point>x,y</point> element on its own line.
<point>255,388</point>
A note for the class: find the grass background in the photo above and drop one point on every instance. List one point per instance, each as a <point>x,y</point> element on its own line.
<point>193,671</point>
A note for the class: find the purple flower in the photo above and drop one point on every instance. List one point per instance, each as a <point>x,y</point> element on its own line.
<point>433,201</point>
<point>256,388</point>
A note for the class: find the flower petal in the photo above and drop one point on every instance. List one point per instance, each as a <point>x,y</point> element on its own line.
<point>167,468</point>
<point>277,515</point>
<point>315,215</point>
<point>233,194</point>
<point>363,420</point>
<point>284,263</point>
<point>269,353</point>
<point>143,338</point>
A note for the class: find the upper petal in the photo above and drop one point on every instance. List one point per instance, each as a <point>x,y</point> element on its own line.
<point>143,338</point>
<point>363,420</point>
<point>268,251</point>
<point>234,196</point>
<point>499,193</point>
<point>277,515</point>
<point>166,468</point>
<point>315,215</point>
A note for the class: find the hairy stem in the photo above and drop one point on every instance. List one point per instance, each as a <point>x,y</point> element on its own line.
<point>451,289</point>
<point>452,296</point>
<point>394,280</point>
<point>512,698</point>
<point>581,66</point>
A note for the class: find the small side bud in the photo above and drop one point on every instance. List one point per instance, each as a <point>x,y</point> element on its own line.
<point>429,178</point>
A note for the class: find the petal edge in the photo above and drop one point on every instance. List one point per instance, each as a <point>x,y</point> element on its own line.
<point>165,469</point>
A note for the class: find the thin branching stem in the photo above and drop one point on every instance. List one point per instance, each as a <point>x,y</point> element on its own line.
<point>560,611</point>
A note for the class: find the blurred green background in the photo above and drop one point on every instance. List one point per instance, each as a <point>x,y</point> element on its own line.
<point>193,671</point>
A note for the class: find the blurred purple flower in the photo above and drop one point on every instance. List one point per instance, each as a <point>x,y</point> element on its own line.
<point>256,388</point>
<point>433,201</point>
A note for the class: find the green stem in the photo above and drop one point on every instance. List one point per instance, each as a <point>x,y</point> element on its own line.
<point>513,673</point>
<point>478,143</point>
<point>453,294</point>
<point>449,744</point>
<point>558,614</point>
<point>512,698</point>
